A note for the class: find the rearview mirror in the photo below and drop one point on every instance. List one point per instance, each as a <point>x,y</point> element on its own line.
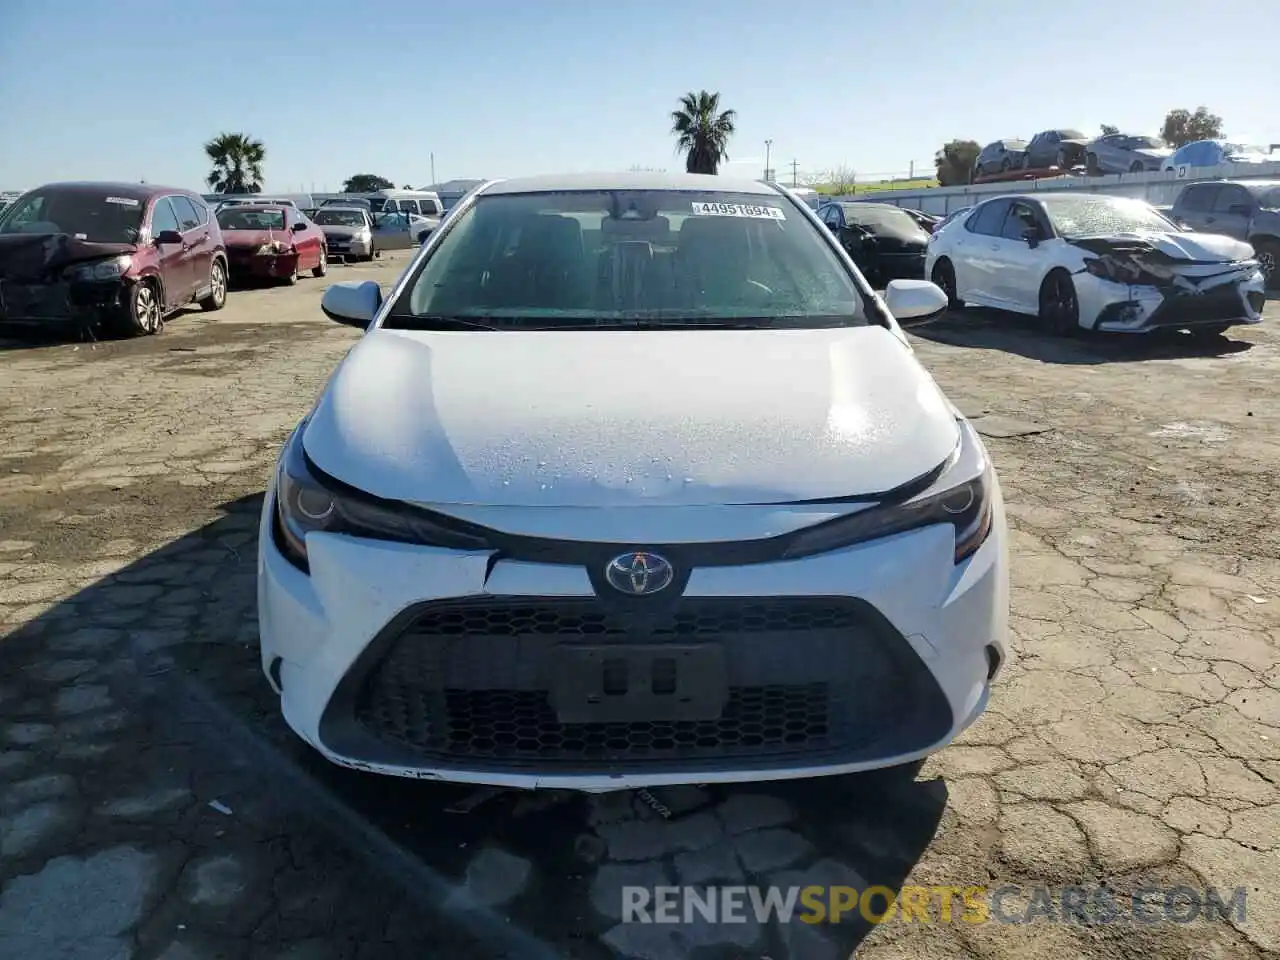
<point>168,236</point>
<point>351,303</point>
<point>913,302</point>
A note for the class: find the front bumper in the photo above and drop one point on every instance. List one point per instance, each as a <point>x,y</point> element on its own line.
<point>62,304</point>
<point>266,266</point>
<point>345,247</point>
<point>1140,308</point>
<point>438,664</point>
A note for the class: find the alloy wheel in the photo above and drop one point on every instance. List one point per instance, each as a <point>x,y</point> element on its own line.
<point>218,284</point>
<point>146,307</point>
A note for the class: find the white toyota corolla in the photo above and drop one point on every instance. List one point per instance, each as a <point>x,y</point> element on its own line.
<point>632,480</point>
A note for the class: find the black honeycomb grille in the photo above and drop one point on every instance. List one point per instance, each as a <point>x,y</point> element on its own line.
<point>469,684</point>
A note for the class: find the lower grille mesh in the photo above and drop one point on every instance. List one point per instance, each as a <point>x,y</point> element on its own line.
<point>471,683</point>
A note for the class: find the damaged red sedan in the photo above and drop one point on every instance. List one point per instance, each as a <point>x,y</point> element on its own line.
<point>271,242</point>
<point>115,256</point>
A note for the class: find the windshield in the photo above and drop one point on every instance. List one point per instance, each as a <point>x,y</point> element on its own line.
<point>1146,143</point>
<point>1096,215</point>
<point>339,218</point>
<point>96,217</point>
<point>241,218</point>
<point>1071,135</point>
<point>609,257</point>
<point>881,218</point>
<point>1244,149</point>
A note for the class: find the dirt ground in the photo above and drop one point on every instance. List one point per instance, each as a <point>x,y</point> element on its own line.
<point>152,804</point>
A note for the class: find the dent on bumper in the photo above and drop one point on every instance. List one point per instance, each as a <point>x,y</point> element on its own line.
<point>315,627</point>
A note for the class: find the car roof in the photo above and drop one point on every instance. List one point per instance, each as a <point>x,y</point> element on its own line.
<point>259,206</point>
<point>133,191</point>
<point>629,181</point>
<point>869,203</point>
<point>334,206</point>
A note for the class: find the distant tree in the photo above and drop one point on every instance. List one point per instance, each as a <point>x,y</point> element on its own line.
<point>702,131</point>
<point>367,183</point>
<point>237,163</point>
<point>1182,127</point>
<point>839,181</point>
<point>955,162</point>
<point>1109,130</point>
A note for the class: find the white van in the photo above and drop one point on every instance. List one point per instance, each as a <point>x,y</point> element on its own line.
<point>423,202</point>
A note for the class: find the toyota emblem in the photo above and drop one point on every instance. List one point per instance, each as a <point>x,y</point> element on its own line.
<point>639,574</point>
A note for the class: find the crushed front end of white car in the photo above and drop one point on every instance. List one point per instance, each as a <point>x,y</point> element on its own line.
<point>1139,283</point>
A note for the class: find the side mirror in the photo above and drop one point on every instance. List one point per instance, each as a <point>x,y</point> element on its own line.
<point>351,303</point>
<point>913,302</point>
<point>168,236</point>
<point>298,227</point>
<point>1032,236</point>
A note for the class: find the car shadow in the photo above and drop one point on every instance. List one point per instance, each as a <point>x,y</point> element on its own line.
<point>981,328</point>
<point>23,337</point>
<point>147,684</point>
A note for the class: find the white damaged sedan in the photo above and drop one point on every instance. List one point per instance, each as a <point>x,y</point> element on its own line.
<point>1095,262</point>
<point>630,481</point>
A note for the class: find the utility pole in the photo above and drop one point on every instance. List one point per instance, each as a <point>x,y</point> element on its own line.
<point>433,168</point>
<point>768,144</point>
<point>795,173</point>
<point>912,172</point>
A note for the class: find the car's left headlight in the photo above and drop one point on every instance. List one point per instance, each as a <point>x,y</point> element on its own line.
<point>306,504</point>
<point>960,497</point>
<point>112,269</point>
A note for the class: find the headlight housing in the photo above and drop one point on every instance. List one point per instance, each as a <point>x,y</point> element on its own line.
<point>305,504</point>
<point>112,269</point>
<point>961,497</point>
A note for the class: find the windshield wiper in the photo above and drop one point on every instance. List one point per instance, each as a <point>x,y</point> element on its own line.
<point>409,321</point>
<point>785,322</point>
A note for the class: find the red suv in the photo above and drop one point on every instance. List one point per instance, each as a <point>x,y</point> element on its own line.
<point>120,256</point>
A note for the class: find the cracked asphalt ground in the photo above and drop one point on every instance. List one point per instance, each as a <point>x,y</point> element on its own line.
<point>153,805</point>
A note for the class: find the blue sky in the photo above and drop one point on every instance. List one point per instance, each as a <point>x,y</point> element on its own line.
<point>130,89</point>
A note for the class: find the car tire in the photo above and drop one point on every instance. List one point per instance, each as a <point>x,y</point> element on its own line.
<point>217,298</point>
<point>1059,306</point>
<point>143,315</point>
<point>321,268</point>
<point>1005,165</point>
<point>1062,160</point>
<point>1091,165</point>
<point>1136,167</point>
<point>944,277</point>
<point>1268,253</point>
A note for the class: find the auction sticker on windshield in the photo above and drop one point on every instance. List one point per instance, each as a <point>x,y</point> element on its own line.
<point>123,201</point>
<point>739,210</point>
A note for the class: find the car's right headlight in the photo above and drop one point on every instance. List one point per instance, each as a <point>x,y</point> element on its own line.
<point>961,496</point>
<point>308,504</point>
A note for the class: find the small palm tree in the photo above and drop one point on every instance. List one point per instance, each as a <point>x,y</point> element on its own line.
<point>237,163</point>
<point>702,131</point>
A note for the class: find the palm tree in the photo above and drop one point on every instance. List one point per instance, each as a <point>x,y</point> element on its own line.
<point>237,163</point>
<point>702,131</point>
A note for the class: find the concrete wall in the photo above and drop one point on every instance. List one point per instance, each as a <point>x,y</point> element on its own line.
<point>1159,189</point>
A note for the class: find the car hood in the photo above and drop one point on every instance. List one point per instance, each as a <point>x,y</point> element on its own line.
<point>40,257</point>
<point>630,418</point>
<point>1203,247</point>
